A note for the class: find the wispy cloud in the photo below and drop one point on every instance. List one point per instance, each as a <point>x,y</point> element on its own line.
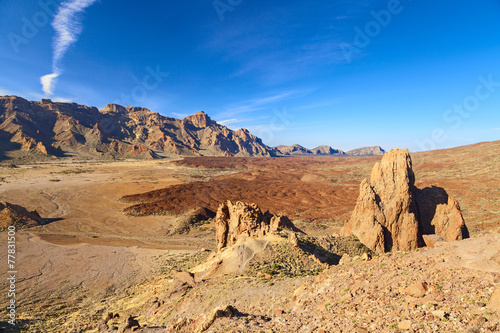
<point>32,95</point>
<point>180,115</point>
<point>262,103</point>
<point>229,121</point>
<point>4,92</point>
<point>68,27</point>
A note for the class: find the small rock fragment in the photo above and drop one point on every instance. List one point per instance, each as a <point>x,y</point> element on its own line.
<point>417,289</point>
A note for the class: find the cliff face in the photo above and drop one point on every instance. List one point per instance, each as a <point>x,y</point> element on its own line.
<point>48,128</point>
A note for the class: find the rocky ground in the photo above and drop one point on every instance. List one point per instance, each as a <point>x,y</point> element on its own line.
<point>92,259</point>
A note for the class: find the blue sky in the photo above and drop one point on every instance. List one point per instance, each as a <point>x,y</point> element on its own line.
<point>419,74</point>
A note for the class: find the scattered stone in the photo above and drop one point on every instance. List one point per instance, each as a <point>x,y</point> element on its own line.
<point>366,257</point>
<point>345,259</point>
<point>278,312</point>
<point>208,319</point>
<point>439,314</point>
<point>184,278</point>
<point>494,302</point>
<point>130,324</point>
<point>417,289</point>
<point>433,240</point>
<point>404,325</point>
<point>109,316</point>
<point>102,326</point>
<point>293,240</point>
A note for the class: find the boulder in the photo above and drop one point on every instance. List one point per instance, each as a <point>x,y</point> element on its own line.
<point>417,289</point>
<point>494,302</point>
<point>440,214</point>
<point>391,214</point>
<point>433,240</point>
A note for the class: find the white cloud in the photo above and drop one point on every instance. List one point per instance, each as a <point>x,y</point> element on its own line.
<point>262,103</point>
<point>68,27</point>
<point>4,92</point>
<point>229,121</point>
<point>180,115</point>
<point>49,83</point>
<point>62,100</point>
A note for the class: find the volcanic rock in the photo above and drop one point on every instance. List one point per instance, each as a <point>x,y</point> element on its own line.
<point>384,217</point>
<point>391,214</point>
<point>417,289</point>
<point>234,221</point>
<point>433,240</point>
<point>440,214</point>
<point>130,324</point>
<point>494,302</point>
<point>14,215</point>
<point>54,129</point>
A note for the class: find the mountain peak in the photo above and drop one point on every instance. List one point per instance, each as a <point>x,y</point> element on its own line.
<point>114,109</point>
<point>199,119</point>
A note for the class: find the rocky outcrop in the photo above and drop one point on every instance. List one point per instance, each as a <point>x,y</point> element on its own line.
<point>238,220</point>
<point>17,216</point>
<point>440,214</point>
<point>58,129</point>
<point>391,214</point>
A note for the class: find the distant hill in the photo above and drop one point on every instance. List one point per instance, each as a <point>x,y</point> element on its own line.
<point>298,150</point>
<point>367,151</point>
<point>49,129</point>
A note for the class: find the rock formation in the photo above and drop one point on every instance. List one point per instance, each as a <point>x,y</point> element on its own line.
<point>14,215</point>
<point>440,214</point>
<point>234,221</point>
<point>391,214</point>
<point>59,129</point>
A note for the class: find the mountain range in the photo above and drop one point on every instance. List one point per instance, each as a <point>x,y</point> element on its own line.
<point>298,150</point>
<point>46,128</point>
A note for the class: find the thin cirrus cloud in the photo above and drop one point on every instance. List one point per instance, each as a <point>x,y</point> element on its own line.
<point>262,103</point>
<point>68,27</point>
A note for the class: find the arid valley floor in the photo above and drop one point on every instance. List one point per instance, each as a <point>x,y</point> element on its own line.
<point>97,253</point>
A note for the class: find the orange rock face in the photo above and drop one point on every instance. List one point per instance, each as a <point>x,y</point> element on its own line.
<point>391,214</point>
<point>14,215</point>
<point>55,128</point>
<point>234,221</point>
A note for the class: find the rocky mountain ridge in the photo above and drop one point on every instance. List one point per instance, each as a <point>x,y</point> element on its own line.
<point>53,129</point>
<point>64,129</point>
<point>324,150</point>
